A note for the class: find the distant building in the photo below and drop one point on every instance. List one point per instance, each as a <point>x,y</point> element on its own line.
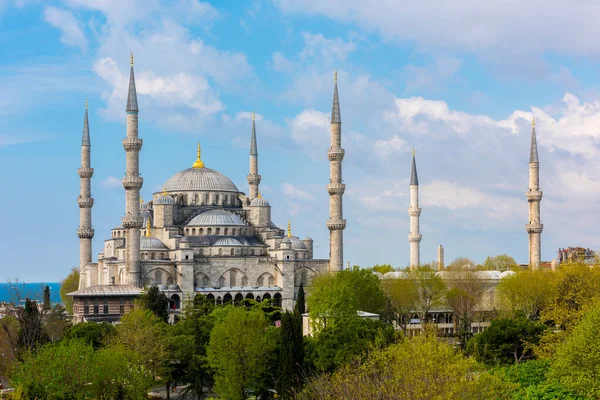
<point>575,254</point>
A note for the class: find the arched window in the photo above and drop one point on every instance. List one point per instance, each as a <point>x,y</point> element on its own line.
<point>200,231</point>
<point>152,256</point>
<point>157,277</point>
<point>232,278</point>
<point>193,231</point>
<point>250,296</point>
<point>217,199</point>
<point>232,231</point>
<point>238,298</point>
<point>196,199</point>
<point>251,252</point>
<point>222,281</point>
<point>218,231</point>
<point>225,231</point>
<point>225,199</point>
<point>232,251</point>
<point>185,199</point>
<point>227,299</point>
<point>187,231</point>
<point>277,298</point>
<point>206,199</point>
<point>210,297</point>
<point>175,303</point>
<point>267,296</point>
<point>261,281</point>
<point>209,231</point>
<point>205,282</point>
<point>244,281</point>
<point>220,252</point>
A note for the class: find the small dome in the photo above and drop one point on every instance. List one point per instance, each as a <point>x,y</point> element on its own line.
<point>395,275</point>
<point>297,244</point>
<point>216,217</point>
<point>200,180</point>
<point>487,274</point>
<point>227,241</point>
<point>143,205</point>
<point>507,273</point>
<point>308,239</point>
<point>378,274</point>
<point>164,200</point>
<point>259,202</point>
<point>151,243</point>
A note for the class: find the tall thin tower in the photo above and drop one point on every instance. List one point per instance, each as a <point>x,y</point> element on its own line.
<point>85,201</point>
<point>336,222</point>
<point>414,236</point>
<point>132,182</point>
<point>253,176</point>
<point>534,197</point>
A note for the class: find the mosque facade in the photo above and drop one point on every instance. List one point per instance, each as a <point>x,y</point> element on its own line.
<point>199,235</point>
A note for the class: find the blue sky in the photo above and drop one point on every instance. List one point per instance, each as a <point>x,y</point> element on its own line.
<point>460,83</point>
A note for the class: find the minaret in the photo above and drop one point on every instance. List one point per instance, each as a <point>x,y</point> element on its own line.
<point>85,201</point>
<point>534,197</point>
<point>132,182</point>
<point>253,176</point>
<point>441,258</point>
<point>414,236</point>
<point>336,222</point>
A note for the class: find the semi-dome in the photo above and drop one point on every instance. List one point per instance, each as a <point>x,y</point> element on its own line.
<point>259,202</point>
<point>151,243</point>
<point>297,244</point>
<point>227,241</point>
<point>200,179</point>
<point>216,218</point>
<point>164,200</point>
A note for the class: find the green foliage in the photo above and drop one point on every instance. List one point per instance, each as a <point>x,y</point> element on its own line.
<point>420,367</point>
<point>577,363</point>
<point>529,292</point>
<point>506,341</point>
<point>430,289</point>
<point>31,327</point>
<point>95,334</point>
<point>502,262</point>
<point>382,268</point>
<point>350,337</point>
<point>57,371</point>
<point>460,263</point>
<point>155,301</point>
<point>342,294</point>
<point>403,297</point>
<point>291,354</point>
<point>300,301</point>
<point>240,349</point>
<point>68,285</point>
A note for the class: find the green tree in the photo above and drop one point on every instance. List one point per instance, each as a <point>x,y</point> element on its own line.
<point>506,341</point>
<point>95,334</point>
<point>30,323</point>
<point>68,285</point>
<point>291,354</point>
<point>350,337</point>
<point>430,289</point>
<point>382,268</point>
<point>577,361</point>
<point>239,351</point>
<point>502,262</point>
<point>300,301</point>
<point>156,301</point>
<point>56,371</point>
<point>342,294</point>
<point>529,292</point>
<point>461,263</point>
<point>403,295</point>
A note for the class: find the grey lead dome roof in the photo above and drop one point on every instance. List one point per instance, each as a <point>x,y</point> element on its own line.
<point>151,243</point>
<point>200,179</point>
<point>216,217</point>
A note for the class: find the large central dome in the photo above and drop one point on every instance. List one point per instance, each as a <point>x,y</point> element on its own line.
<point>200,180</point>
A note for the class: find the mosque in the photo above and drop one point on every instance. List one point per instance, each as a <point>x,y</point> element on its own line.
<point>199,234</point>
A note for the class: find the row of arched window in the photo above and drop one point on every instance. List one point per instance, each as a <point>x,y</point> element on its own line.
<point>219,231</point>
<point>239,298</point>
<point>236,278</point>
<point>207,199</point>
<point>155,256</point>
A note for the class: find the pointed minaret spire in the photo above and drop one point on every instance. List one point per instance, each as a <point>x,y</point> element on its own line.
<point>253,177</point>
<point>414,212</point>
<point>534,197</point>
<point>86,202</point>
<point>336,223</point>
<point>132,182</point>
<point>132,105</point>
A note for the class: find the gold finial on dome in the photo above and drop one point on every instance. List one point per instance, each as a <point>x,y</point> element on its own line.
<point>148,229</point>
<point>335,76</point>
<point>131,57</point>
<point>164,191</point>
<point>198,163</point>
<point>289,233</point>
<point>259,195</point>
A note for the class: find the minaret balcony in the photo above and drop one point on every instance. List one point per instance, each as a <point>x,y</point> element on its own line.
<point>254,179</point>
<point>336,224</point>
<point>336,153</point>
<point>132,182</point>
<point>132,144</point>
<point>130,221</point>
<point>534,227</point>
<point>414,237</point>
<point>534,195</point>
<point>414,212</point>
<point>85,202</point>
<point>336,188</point>
<point>85,233</point>
<point>85,172</point>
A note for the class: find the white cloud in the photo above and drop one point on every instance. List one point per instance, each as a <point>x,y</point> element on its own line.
<point>318,48</point>
<point>430,77</point>
<point>296,193</point>
<point>280,63</point>
<point>383,149</point>
<point>65,21</point>
<point>310,129</point>
<point>111,183</point>
<point>493,29</point>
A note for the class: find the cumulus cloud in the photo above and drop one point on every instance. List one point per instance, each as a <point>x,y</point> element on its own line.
<point>65,21</point>
<point>383,149</point>
<point>111,183</point>
<point>325,50</point>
